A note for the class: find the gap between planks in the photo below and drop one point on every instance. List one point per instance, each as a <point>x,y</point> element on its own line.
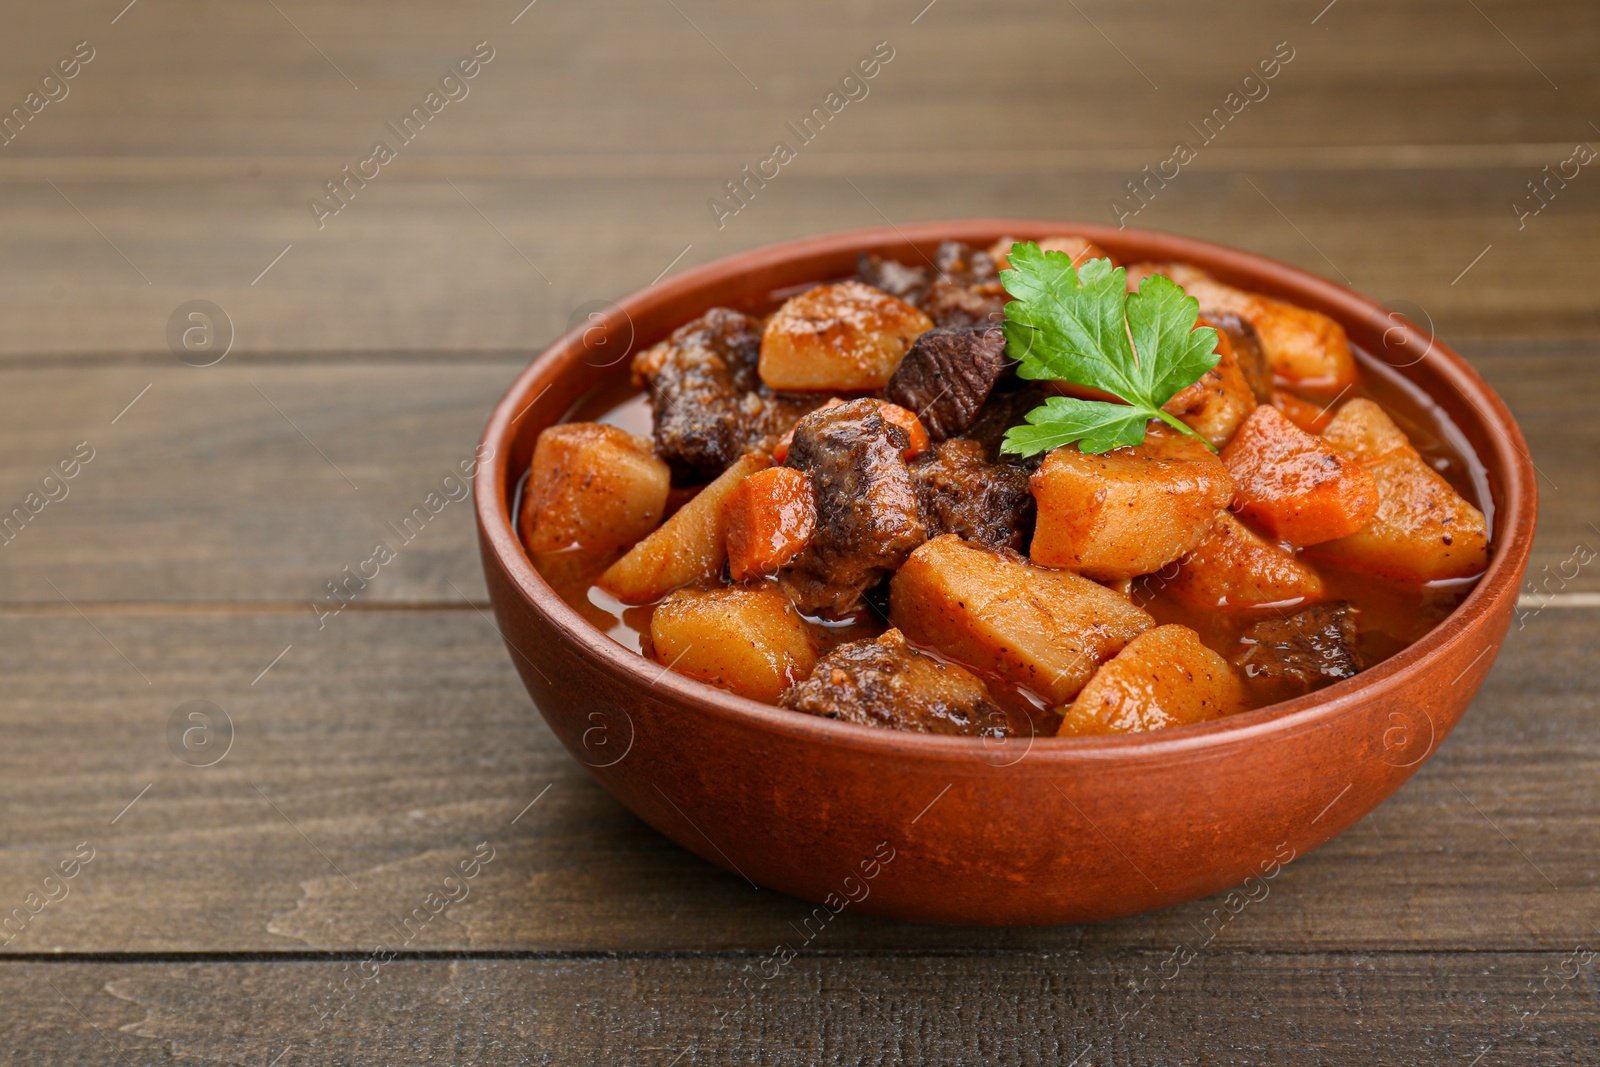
<point>115,956</point>
<point>596,165</point>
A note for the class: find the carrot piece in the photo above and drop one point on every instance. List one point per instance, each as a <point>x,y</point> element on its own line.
<point>907,421</point>
<point>770,516</point>
<point>781,448</point>
<point>1295,485</point>
<point>1312,418</point>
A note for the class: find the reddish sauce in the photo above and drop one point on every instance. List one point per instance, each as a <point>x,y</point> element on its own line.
<point>1391,616</point>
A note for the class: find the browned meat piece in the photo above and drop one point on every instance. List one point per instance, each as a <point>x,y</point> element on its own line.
<point>868,515</point>
<point>1305,651</point>
<point>967,291</point>
<point>947,375</point>
<point>950,303</point>
<point>708,406</point>
<point>1247,350</point>
<point>964,264</point>
<point>888,684</point>
<point>770,414</point>
<point>894,278</point>
<point>697,383</point>
<point>961,289</point>
<point>998,414</point>
<point>964,494</point>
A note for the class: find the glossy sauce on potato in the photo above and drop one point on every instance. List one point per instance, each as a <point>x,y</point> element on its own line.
<point>1391,617</point>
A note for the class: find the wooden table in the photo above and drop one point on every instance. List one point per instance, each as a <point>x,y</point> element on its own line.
<point>230,911</point>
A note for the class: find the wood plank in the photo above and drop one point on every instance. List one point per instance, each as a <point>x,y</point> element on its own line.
<point>368,755</point>
<point>1545,387</point>
<point>195,160</point>
<point>497,267</point>
<point>239,482</point>
<point>205,492</point>
<point>1017,1008</point>
<point>377,754</point>
<point>618,78</point>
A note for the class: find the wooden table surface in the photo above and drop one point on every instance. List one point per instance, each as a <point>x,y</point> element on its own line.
<point>227,913</point>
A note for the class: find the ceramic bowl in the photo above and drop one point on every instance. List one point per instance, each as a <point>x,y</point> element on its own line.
<point>960,830</point>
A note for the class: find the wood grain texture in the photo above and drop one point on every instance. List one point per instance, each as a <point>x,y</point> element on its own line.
<point>1012,1008</point>
<point>377,754</point>
<point>213,79</point>
<point>371,756</point>
<point>494,267</point>
<point>246,483</point>
<point>581,163</point>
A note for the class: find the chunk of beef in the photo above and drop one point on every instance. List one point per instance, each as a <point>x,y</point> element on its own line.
<point>708,406</point>
<point>1247,350</point>
<point>868,515</point>
<point>947,375</point>
<point>1291,656</point>
<point>770,414</point>
<point>964,494</point>
<point>967,291</point>
<point>892,277</point>
<point>962,288</point>
<point>964,264</point>
<point>950,303</point>
<point>998,414</point>
<point>888,684</point>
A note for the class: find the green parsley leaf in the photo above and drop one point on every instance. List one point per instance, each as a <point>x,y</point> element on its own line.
<point>1082,326</point>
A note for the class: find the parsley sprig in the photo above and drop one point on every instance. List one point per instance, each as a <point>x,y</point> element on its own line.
<point>1083,326</point>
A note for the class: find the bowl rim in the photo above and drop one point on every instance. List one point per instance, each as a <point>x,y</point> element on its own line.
<point>1506,456</point>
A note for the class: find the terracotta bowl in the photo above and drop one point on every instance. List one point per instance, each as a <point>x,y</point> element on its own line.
<point>959,830</point>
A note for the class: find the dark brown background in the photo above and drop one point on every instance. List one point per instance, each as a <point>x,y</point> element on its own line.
<point>222,907</point>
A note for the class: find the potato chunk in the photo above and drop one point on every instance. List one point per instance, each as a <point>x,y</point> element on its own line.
<point>1043,630</point>
<point>1423,530</point>
<point>1363,430</point>
<point>746,640</point>
<point>593,487</point>
<point>771,516</point>
<point>1165,677</point>
<point>1214,406</point>
<point>842,337</point>
<point>1306,348</point>
<point>1233,567</point>
<point>1129,511</point>
<point>1293,484</point>
<point>689,546</point>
